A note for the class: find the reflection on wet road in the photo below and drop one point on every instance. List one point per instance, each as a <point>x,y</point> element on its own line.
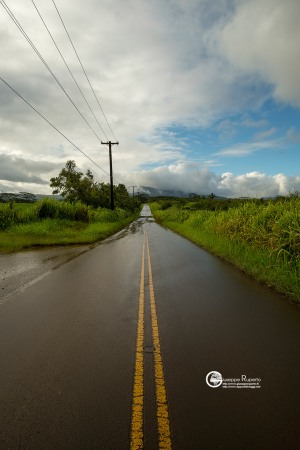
<point>18,270</point>
<point>23,269</point>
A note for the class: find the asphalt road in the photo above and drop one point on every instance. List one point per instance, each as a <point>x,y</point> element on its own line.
<point>111,350</point>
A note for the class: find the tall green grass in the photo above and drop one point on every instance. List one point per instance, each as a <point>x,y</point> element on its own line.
<point>261,239</point>
<point>50,222</point>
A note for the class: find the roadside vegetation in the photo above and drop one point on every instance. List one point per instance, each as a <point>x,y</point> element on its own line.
<point>52,222</point>
<point>82,217</point>
<point>261,237</point>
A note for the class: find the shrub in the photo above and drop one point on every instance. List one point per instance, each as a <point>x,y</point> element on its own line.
<point>7,216</point>
<point>47,208</point>
<point>106,215</point>
<point>82,212</point>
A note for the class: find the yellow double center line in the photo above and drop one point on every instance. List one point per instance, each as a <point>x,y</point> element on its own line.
<point>162,414</point>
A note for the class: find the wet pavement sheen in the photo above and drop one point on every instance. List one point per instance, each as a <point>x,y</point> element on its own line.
<point>68,330</point>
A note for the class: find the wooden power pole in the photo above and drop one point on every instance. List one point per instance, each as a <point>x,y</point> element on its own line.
<point>132,191</point>
<point>112,202</point>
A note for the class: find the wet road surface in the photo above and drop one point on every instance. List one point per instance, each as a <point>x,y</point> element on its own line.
<point>111,350</point>
<point>22,269</point>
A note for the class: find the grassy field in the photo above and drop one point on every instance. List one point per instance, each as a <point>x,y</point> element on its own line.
<point>49,222</point>
<point>261,238</point>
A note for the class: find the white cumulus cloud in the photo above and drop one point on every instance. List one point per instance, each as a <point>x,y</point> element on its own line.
<point>262,38</point>
<point>189,178</point>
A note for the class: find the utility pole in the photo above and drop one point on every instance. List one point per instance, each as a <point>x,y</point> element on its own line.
<point>112,202</point>
<point>132,191</point>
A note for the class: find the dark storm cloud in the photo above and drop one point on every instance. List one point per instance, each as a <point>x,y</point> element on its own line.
<point>16,169</point>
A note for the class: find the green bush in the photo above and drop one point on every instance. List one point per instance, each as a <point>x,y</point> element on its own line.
<point>25,214</point>
<point>47,208</point>
<point>67,211</point>
<point>54,209</point>
<point>7,216</point>
<point>82,212</point>
<point>106,215</point>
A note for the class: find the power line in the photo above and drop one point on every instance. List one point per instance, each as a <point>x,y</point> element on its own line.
<point>66,64</point>
<point>53,126</point>
<point>12,16</point>
<point>19,26</point>
<point>83,69</point>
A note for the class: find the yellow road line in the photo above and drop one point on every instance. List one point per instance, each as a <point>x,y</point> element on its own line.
<point>164,434</point>
<point>137,422</point>
<point>137,436</point>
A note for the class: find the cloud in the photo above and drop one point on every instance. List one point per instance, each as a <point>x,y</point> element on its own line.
<point>190,178</point>
<point>161,64</point>
<point>20,170</point>
<point>247,148</point>
<point>262,38</point>
<point>254,123</point>
<point>293,135</point>
<point>154,66</point>
<point>256,184</point>
<point>185,176</point>
<point>265,134</point>
<point>227,129</point>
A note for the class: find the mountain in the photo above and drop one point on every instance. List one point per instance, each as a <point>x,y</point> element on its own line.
<point>154,192</point>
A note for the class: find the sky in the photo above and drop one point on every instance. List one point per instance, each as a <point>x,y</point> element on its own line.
<point>202,95</point>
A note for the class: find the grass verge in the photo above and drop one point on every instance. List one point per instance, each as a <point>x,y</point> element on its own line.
<point>49,232</point>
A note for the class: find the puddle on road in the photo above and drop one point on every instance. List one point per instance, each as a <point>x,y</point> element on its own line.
<point>16,263</point>
<point>19,269</point>
<point>132,228</point>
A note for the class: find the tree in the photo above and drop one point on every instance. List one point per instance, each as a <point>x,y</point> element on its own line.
<point>122,198</point>
<point>68,182</point>
<point>74,186</point>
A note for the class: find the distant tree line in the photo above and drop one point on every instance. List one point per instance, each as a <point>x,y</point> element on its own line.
<point>213,203</point>
<point>20,197</point>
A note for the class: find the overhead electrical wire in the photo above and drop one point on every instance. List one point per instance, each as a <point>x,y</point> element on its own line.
<point>19,26</point>
<point>67,66</point>
<point>51,124</point>
<point>84,71</point>
<point>12,16</point>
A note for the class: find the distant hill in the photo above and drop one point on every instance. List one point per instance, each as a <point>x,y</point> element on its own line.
<point>154,192</point>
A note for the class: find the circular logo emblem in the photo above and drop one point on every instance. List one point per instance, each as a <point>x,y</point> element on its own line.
<point>214,379</point>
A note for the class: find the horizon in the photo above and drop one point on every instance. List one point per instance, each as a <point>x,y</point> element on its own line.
<point>146,190</point>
